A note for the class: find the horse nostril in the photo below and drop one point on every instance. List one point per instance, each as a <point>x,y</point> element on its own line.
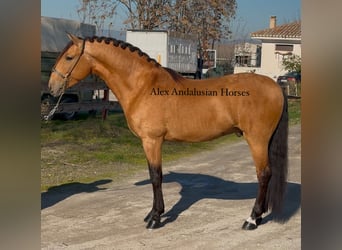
<point>51,90</point>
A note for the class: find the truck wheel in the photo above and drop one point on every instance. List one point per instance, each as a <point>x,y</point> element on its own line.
<point>67,115</point>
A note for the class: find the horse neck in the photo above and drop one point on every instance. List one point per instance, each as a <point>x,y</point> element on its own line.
<point>122,70</point>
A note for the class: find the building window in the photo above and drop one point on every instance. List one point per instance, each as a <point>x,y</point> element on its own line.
<point>242,60</point>
<point>172,49</point>
<point>284,47</point>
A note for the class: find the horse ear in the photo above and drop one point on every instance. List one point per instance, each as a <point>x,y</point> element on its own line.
<point>77,41</point>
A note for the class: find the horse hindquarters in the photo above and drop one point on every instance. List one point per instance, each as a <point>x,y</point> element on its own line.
<point>270,160</point>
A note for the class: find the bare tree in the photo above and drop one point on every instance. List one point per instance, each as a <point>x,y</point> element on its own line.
<point>209,20</point>
<point>146,14</point>
<point>97,12</point>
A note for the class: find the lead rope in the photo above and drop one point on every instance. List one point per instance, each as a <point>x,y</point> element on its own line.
<point>53,111</point>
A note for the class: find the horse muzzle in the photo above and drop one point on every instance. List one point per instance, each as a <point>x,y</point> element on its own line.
<point>56,88</point>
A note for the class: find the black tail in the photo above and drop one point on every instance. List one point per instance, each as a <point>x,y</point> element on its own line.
<point>277,154</point>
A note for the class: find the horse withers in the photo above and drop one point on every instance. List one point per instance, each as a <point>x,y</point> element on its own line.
<point>160,105</point>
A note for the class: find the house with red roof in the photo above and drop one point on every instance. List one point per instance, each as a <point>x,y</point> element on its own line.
<point>277,42</point>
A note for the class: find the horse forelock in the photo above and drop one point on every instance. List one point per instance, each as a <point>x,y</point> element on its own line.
<point>123,45</point>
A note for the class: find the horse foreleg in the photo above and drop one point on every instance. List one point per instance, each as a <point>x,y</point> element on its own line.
<point>260,156</point>
<point>152,150</point>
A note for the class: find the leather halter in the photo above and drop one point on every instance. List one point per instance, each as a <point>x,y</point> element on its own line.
<point>66,77</point>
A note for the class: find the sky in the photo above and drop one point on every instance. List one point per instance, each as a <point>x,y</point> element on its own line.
<point>252,15</point>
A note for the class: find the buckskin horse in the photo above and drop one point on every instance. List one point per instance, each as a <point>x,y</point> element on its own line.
<point>159,104</point>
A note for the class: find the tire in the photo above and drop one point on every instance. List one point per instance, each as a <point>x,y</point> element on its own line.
<point>67,115</point>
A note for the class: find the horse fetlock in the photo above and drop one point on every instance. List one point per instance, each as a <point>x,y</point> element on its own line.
<point>258,221</point>
<point>153,215</point>
<point>153,220</point>
<point>258,210</point>
<point>251,224</point>
<point>148,217</point>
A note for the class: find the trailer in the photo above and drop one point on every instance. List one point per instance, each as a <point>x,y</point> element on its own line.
<point>173,50</point>
<point>91,95</point>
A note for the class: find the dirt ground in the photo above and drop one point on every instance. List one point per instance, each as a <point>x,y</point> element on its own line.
<point>207,198</point>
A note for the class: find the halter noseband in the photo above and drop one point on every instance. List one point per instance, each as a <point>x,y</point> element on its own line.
<point>66,77</point>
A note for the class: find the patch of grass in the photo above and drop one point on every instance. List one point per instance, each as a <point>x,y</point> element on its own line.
<point>89,148</point>
<point>294,109</point>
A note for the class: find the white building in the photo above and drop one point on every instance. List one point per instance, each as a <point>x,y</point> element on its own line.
<point>277,42</point>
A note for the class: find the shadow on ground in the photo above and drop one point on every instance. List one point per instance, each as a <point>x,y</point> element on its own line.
<point>195,187</point>
<point>58,193</point>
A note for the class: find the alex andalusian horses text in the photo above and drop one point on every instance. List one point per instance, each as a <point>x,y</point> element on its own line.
<point>160,105</point>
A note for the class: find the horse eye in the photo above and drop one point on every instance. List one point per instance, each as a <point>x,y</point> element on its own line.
<point>69,58</point>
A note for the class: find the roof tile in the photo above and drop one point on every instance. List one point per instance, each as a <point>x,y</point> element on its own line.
<point>289,30</point>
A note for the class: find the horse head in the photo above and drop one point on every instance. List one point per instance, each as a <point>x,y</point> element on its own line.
<point>71,66</point>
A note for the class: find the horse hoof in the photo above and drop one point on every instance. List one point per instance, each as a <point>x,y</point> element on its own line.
<point>249,226</point>
<point>148,218</point>
<point>153,224</point>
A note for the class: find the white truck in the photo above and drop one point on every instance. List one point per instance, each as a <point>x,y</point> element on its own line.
<point>172,50</point>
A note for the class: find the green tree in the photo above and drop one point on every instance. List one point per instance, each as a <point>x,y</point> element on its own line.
<point>292,63</point>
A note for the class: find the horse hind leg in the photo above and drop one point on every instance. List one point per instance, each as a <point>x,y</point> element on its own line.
<point>260,156</point>
<point>260,205</point>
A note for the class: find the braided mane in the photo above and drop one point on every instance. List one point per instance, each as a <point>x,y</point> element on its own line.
<point>123,45</point>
